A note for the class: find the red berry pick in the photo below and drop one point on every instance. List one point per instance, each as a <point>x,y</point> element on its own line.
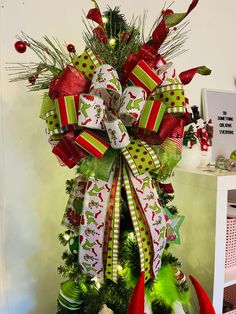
<point>20,46</point>
<point>32,79</point>
<point>71,48</point>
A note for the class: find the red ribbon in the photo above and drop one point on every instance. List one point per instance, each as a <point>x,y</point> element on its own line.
<point>95,15</point>
<point>187,76</point>
<point>71,82</point>
<point>146,53</point>
<point>166,187</point>
<point>69,152</point>
<point>168,124</point>
<point>101,35</point>
<point>161,31</point>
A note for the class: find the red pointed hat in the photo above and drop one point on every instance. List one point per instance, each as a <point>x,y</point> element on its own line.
<point>136,304</point>
<point>205,304</point>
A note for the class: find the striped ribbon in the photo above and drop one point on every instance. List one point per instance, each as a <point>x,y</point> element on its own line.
<point>152,115</point>
<point>140,229</point>
<point>143,76</point>
<point>67,109</point>
<point>92,143</point>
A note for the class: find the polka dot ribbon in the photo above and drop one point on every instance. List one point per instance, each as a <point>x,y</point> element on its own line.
<point>140,157</point>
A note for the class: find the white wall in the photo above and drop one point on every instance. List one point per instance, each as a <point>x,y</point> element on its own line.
<point>32,184</point>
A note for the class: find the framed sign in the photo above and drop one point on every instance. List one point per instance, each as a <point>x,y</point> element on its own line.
<point>220,106</point>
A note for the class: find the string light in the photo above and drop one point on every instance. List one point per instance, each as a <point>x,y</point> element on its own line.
<point>105,19</point>
<point>66,236</point>
<point>97,282</point>
<point>112,41</point>
<point>119,268</point>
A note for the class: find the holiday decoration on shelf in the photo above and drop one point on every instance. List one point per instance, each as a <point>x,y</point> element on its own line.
<point>117,113</point>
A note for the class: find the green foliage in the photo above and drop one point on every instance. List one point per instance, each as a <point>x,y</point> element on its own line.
<point>69,185</point>
<point>116,23</point>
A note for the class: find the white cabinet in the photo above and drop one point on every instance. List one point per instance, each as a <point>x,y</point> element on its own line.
<point>202,197</point>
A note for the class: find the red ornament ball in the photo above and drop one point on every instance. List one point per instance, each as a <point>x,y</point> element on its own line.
<point>32,79</point>
<point>20,46</point>
<point>70,48</point>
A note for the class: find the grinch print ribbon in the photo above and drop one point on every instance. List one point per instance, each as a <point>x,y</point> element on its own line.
<point>117,133</point>
<point>140,228</point>
<point>140,157</point>
<point>146,195</point>
<point>106,84</point>
<point>132,103</point>
<point>93,218</point>
<point>91,111</point>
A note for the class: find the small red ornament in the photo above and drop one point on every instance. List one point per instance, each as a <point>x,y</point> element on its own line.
<point>20,46</point>
<point>71,48</point>
<point>32,79</point>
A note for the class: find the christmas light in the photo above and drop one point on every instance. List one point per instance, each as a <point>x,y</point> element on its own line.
<point>97,282</point>
<point>66,236</point>
<point>105,19</point>
<point>119,268</point>
<point>112,41</point>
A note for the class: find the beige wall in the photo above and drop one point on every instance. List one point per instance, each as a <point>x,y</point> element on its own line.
<point>32,184</point>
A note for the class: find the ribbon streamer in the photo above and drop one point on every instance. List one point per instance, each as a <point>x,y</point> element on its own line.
<point>92,229</point>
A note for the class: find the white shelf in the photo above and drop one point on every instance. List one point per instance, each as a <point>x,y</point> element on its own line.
<point>230,277</point>
<point>201,196</point>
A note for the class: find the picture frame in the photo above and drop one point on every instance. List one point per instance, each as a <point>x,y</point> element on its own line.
<point>220,107</point>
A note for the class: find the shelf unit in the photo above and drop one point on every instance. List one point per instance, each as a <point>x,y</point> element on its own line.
<point>202,197</point>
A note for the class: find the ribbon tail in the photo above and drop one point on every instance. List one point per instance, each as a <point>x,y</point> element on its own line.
<point>112,230</point>
<point>146,195</point>
<point>140,229</point>
<point>187,76</point>
<point>175,18</point>
<point>72,215</point>
<point>93,225</point>
<point>136,305</point>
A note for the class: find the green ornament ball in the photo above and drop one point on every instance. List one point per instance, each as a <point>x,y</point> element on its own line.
<point>233,155</point>
<point>74,245</point>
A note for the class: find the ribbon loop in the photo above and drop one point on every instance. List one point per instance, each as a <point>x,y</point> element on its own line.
<point>132,103</point>
<point>91,111</point>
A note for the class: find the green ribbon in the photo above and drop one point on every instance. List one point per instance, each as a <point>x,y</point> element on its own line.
<point>99,168</point>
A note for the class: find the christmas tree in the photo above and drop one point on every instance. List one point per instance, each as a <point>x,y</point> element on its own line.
<point>117,113</point>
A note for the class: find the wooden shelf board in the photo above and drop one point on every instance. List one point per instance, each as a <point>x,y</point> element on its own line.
<point>230,277</point>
